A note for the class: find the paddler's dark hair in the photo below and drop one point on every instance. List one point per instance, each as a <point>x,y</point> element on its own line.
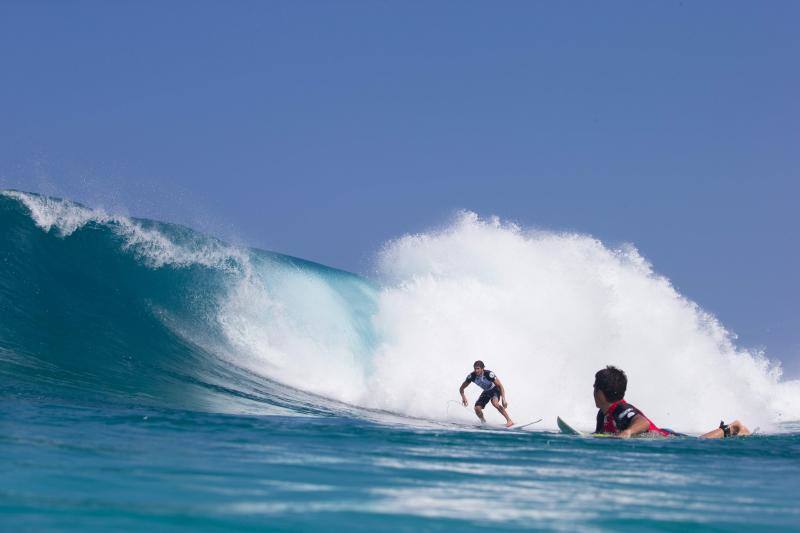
<point>479,364</point>
<point>612,381</point>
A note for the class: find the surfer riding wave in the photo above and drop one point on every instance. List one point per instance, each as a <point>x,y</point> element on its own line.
<point>493,391</point>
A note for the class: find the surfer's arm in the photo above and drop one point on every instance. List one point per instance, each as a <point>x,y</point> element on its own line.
<point>461,391</point>
<point>735,428</point>
<point>502,391</point>
<point>639,425</point>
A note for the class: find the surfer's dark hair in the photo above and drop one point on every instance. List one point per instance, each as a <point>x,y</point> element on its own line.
<point>479,364</point>
<point>612,381</point>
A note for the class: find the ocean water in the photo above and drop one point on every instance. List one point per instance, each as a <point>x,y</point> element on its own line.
<point>154,377</point>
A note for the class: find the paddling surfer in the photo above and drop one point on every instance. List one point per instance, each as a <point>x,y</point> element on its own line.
<point>493,391</point>
<point>618,417</point>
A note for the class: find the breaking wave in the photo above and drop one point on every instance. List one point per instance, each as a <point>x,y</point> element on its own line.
<point>100,306</point>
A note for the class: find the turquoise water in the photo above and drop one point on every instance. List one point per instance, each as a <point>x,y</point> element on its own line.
<point>94,467</point>
<point>135,396</point>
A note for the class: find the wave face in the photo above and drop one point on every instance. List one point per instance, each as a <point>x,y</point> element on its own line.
<point>101,306</point>
<point>104,307</point>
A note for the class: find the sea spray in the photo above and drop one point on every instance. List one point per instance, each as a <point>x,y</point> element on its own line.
<point>545,311</point>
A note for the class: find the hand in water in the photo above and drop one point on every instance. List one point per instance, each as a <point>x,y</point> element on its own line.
<point>463,401</point>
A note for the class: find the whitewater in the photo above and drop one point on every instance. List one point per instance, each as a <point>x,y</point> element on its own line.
<point>233,387</point>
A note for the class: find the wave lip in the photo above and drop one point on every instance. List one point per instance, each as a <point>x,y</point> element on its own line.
<point>154,243</point>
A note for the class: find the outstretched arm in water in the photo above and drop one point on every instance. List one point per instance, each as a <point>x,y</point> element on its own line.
<point>736,429</point>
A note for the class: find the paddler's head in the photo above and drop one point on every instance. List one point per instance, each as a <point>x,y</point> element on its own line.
<point>610,384</point>
<point>478,367</point>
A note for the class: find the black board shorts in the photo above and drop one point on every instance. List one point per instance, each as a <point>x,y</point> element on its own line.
<point>486,396</point>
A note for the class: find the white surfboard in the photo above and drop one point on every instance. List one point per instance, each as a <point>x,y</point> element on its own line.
<point>520,426</point>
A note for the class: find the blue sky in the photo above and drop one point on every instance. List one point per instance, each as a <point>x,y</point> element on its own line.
<point>322,129</point>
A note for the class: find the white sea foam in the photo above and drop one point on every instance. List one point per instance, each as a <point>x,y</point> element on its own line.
<point>545,311</point>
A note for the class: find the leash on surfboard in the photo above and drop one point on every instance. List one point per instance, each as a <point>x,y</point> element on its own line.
<point>447,411</point>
